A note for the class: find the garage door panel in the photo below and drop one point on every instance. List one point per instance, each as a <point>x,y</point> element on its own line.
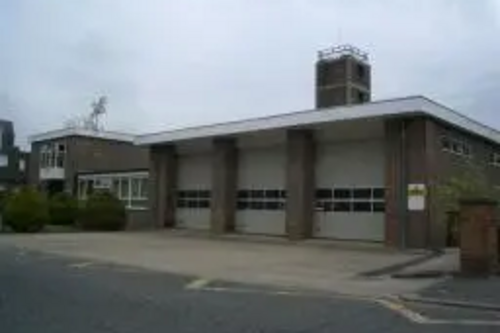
<point>347,226</point>
<point>194,192</point>
<point>350,191</point>
<point>261,194</point>
<point>260,222</point>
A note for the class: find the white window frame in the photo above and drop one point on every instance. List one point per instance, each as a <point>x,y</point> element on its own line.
<point>494,159</point>
<point>51,154</point>
<point>108,181</point>
<point>459,147</point>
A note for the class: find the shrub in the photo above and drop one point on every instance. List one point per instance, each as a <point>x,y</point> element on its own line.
<point>26,211</point>
<point>103,212</point>
<point>63,209</point>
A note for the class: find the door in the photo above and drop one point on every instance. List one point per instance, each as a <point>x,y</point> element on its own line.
<point>350,191</point>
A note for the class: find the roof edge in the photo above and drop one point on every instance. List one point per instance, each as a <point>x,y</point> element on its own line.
<point>66,132</point>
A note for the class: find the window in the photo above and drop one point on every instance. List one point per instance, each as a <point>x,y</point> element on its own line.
<point>261,199</point>
<point>22,165</point>
<point>4,160</point>
<point>456,146</point>
<point>495,159</point>
<point>356,199</point>
<point>193,199</point>
<point>52,155</point>
<point>130,189</point>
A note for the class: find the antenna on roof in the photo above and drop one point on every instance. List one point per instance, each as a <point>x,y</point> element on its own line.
<point>98,109</point>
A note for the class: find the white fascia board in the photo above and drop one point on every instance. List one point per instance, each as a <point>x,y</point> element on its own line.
<point>303,118</point>
<point>66,132</point>
<point>394,107</point>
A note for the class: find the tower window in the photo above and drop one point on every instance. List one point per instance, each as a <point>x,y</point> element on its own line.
<point>362,97</point>
<point>361,71</point>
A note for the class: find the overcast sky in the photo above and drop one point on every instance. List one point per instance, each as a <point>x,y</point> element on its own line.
<point>171,63</point>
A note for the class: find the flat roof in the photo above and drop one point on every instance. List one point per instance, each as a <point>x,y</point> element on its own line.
<point>66,132</point>
<point>405,106</point>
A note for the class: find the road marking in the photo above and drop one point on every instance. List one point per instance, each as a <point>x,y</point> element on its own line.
<point>81,265</point>
<point>198,284</point>
<point>464,322</point>
<point>402,310</point>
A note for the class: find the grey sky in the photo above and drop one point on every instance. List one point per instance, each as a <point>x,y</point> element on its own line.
<point>167,64</point>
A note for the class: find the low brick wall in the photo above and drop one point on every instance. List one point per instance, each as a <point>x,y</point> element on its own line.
<point>139,220</point>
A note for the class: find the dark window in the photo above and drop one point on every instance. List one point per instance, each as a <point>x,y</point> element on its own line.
<point>361,71</point>
<point>257,194</point>
<point>328,206</point>
<point>362,97</point>
<point>181,203</point>
<point>342,193</point>
<point>243,194</point>
<point>379,207</point>
<point>271,205</point>
<point>324,193</point>
<point>257,205</point>
<point>445,143</point>
<point>283,194</point>
<point>242,205</point>
<point>192,203</point>
<point>342,206</point>
<point>378,193</point>
<point>272,194</point>
<point>204,194</point>
<point>362,193</point>
<point>181,194</point>
<point>204,204</point>
<point>361,206</point>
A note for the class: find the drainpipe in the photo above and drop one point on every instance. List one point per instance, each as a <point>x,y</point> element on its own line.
<point>403,174</point>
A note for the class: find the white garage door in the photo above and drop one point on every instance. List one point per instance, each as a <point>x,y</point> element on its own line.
<point>194,191</point>
<point>261,191</point>
<point>350,191</point>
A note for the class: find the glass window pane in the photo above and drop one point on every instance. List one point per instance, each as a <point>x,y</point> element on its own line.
<point>257,205</point>
<point>362,193</point>
<point>379,207</point>
<point>378,193</point>
<point>124,188</point>
<point>243,194</point>
<point>144,184</point>
<point>242,205</point>
<point>204,194</point>
<point>272,194</point>
<point>342,193</point>
<point>204,203</point>
<point>324,193</point>
<point>361,206</point>
<point>135,184</point>
<point>138,204</point>
<point>342,206</point>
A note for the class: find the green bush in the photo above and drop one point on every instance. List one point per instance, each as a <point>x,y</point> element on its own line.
<point>63,209</point>
<point>103,212</point>
<point>26,211</point>
<point>4,195</point>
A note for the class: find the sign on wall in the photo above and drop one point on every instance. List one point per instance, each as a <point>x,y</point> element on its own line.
<point>416,196</point>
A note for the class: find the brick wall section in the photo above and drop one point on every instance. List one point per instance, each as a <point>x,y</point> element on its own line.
<point>84,154</point>
<point>476,218</point>
<point>412,157</point>
<point>300,184</point>
<point>224,190</point>
<point>162,185</point>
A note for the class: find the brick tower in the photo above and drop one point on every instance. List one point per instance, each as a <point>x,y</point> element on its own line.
<point>343,77</point>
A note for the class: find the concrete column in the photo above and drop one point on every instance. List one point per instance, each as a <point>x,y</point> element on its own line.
<point>224,185</point>
<point>412,157</point>
<point>162,185</point>
<point>300,184</point>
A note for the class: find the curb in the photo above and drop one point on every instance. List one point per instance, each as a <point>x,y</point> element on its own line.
<point>431,274</point>
<point>389,270</point>
<point>450,303</point>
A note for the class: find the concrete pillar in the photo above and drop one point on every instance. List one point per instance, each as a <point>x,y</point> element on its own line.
<point>476,243</point>
<point>412,157</point>
<point>163,185</point>
<point>300,184</point>
<point>224,185</point>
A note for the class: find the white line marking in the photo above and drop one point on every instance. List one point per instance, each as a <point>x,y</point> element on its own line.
<point>403,311</point>
<point>80,265</point>
<point>198,284</point>
<point>464,322</point>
